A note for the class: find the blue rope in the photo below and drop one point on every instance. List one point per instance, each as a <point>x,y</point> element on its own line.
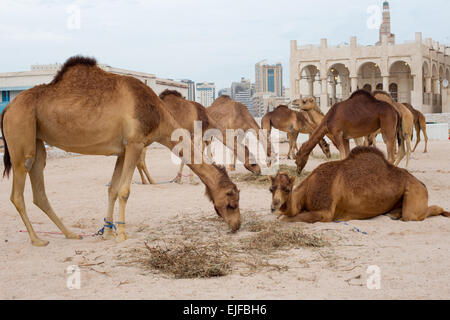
<point>109,225</point>
<point>354,228</point>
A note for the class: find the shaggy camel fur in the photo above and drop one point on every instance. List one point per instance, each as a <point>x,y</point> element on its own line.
<point>406,128</point>
<point>230,114</point>
<point>356,117</point>
<point>362,186</point>
<point>309,105</point>
<point>292,122</point>
<point>89,111</point>
<point>420,123</point>
<point>187,112</point>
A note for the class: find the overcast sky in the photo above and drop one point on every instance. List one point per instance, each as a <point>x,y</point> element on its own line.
<point>203,40</point>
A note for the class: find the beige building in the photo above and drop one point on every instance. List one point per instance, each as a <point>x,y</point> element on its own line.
<point>12,83</point>
<point>416,71</point>
<point>206,93</point>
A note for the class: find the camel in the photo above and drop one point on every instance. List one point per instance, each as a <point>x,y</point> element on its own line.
<point>89,111</point>
<point>406,127</point>
<point>362,186</point>
<point>186,112</point>
<point>420,123</point>
<point>142,168</point>
<point>309,105</point>
<point>356,117</point>
<point>292,122</point>
<point>230,114</point>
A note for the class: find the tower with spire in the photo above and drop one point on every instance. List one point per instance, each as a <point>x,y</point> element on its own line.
<point>385,28</point>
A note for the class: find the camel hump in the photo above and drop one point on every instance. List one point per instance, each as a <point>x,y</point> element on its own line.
<point>366,150</point>
<point>168,92</point>
<point>71,62</point>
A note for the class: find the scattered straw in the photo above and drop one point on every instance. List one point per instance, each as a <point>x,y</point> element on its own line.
<point>265,180</point>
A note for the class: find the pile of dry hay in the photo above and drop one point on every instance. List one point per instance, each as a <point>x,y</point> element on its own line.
<point>265,180</point>
<point>220,254</point>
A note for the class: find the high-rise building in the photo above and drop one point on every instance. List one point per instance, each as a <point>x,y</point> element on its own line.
<point>206,93</point>
<point>243,92</point>
<point>385,28</point>
<point>191,89</point>
<point>224,92</point>
<point>269,78</point>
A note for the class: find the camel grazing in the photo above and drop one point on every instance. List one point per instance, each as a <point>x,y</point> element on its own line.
<point>292,122</point>
<point>187,112</point>
<point>89,111</point>
<point>406,128</point>
<point>362,186</point>
<point>309,105</point>
<point>230,114</point>
<point>420,123</point>
<point>356,117</point>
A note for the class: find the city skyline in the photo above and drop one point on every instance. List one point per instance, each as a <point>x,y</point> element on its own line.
<point>192,43</point>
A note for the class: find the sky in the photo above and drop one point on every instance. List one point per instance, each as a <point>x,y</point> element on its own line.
<point>202,40</point>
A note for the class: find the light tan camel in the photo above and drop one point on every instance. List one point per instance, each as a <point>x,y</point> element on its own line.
<point>362,186</point>
<point>406,128</point>
<point>230,114</point>
<point>420,123</point>
<point>356,117</point>
<point>89,111</point>
<point>294,123</point>
<point>187,112</point>
<point>309,105</point>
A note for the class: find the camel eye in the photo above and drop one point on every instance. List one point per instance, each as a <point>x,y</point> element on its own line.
<point>287,190</point>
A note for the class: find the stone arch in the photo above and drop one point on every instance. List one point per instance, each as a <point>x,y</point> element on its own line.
<point>338,82</point>
<point>369,73</point>
<point>400,74</point>
<point>309,84</point>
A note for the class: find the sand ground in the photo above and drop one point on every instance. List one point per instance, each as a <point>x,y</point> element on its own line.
<point>414,258</point>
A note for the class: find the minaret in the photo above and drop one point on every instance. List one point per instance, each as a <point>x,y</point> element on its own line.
<point>385,28</point>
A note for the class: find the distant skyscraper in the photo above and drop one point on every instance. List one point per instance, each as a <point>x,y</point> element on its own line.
<point>224,92</point>
<point>206,93</point>
<point>191,89</point>
<point>242,92</point>
<point>269,78</point>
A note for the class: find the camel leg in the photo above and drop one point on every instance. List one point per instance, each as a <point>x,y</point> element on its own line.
<point>232,167</point>
<point>401,151</point>
<point>341,145</point>
<point>389,140</point>
<point>113,191</point>
<point>408,149</point>
<point>423,126</point>
<point>132,153</point>
<point>310,217</point>
<point>147,174</point>
<point>179,177</point>
<point>292,144</point>
<point>39,195</point>
<point>417,128</point>
<point>141,173</point>
<point>359,142</point>
<point>347,147</point>
<point>19,177</point>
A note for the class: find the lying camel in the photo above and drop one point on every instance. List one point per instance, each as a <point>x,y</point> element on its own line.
<point>356,117</point>
<point>292,122</point>
<point>186,112</point>
<point>406,128</point>
<point>230,114</point>
<point>89,111</point>
<point>420,123</point>
<point>362,186</point>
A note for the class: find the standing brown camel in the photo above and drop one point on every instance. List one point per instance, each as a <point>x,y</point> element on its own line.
<point>406,128</point>
<point>187,112</point>
<point>309,105</point>
<point>362,186</point>
<point>356,117</point>
<point>292,122</point>
<point>420,123</point>
<point>230,114</point>
<point>89,111</point>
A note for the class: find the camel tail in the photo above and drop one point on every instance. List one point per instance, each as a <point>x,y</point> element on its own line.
<point>434,211</point>
<point>6,155</point>
<point>399,130</point>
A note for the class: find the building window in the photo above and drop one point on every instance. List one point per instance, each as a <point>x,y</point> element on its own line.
<point>368,88</point>
<point>5,96</point>
<point>393,90</point>
<point>271,80</point>
<point>380,86</point>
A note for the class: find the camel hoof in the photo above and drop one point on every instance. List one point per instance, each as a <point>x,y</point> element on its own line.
<point>74,236</point>
<point>40,243</point>
<point>232,168</point>
<point>121,237</point>
<point>108,235</point>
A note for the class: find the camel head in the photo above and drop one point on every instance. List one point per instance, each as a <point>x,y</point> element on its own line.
<point>281,189</point>
<point>255,168</point>
<point>225,197</point>
<point>306,103</point>
<point>301,159</point>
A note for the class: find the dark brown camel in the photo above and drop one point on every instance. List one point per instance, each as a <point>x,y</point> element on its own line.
<point>294,123</point>
<point>357,117</point>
